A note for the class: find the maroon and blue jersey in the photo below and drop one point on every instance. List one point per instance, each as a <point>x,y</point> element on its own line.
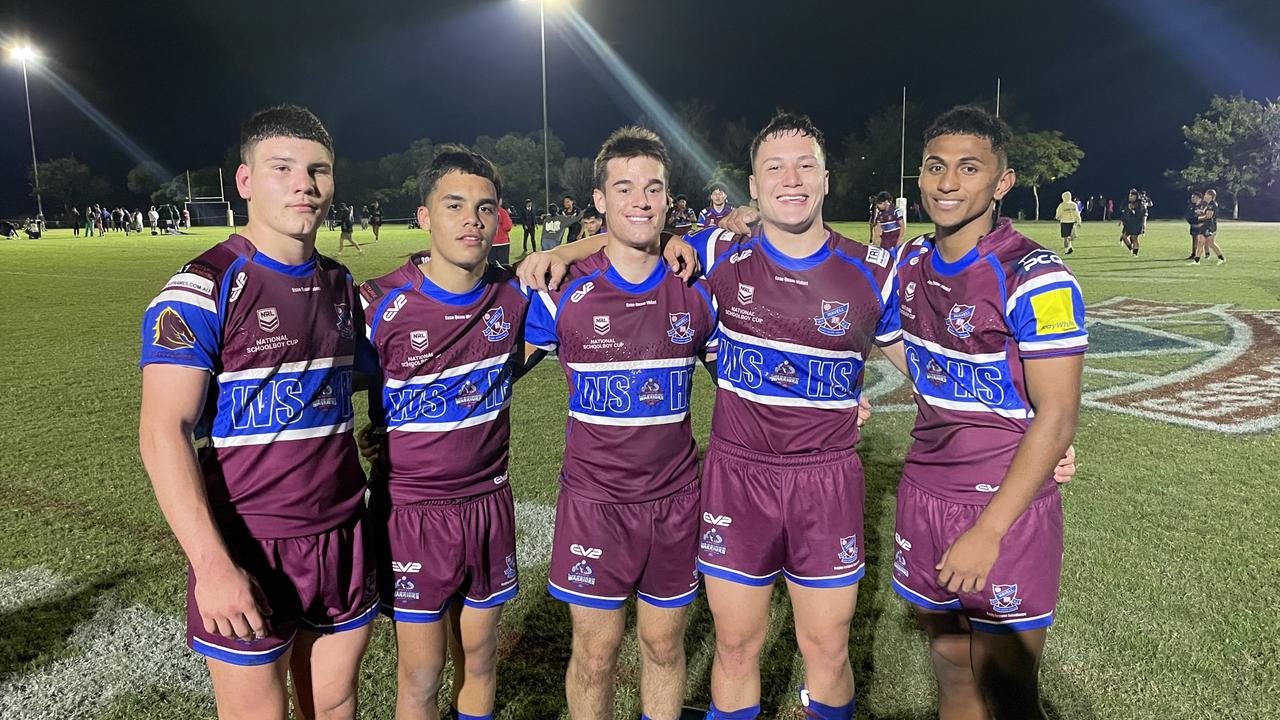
<point>710,217</point>
<point>446,362</point>
<point>794,334</point>
<point>629,352</point>
<point>280,343</point>
<point>968,326</point>
<point>891,222</point>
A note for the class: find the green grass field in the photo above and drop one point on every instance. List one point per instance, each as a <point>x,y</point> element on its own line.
<point>1169,599</point>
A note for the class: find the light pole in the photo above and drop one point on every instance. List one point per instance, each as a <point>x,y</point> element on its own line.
<point>546,151</point>
<point>22,54</point>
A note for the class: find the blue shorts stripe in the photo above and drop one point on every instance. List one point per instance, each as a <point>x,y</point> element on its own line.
<point>721,573</point>
<point>237,657</point>
<point>414,616</point>
<point>675,602</point>
<point>829,582</point>
<point>585,600</point>
<point>1004,628</point>
<point>493,600</point>
<point>916,598</point>
<point>354,623</point>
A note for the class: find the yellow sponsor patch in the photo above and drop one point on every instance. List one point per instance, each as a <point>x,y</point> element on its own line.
<point>1055,312</point>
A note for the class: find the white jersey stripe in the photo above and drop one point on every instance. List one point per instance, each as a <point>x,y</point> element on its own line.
<point>631,365</point>
<point>439,427</point>
<point>1058,344</point>
<point>186,297</point>
<point>934,347</point>
<point>628,422</point>
<point>975,406</point>
<point>300,366</point>
<point>786,401</point>
<point>283,435</point>
<point>787,347</point>
<point>497,360</point>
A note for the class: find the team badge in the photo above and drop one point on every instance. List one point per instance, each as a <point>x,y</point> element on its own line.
<point>832,320</point>
<point>1005,598</point>
<point>405,589</point>
<point>712,542</point>
<point>469,395</point>
<point>326,399</point>
<point>784,375</point>
<point>746,293</point>
<point>651,393</point>
<point>934,373</point>
<point>900,564</point>
<point>581,574</point>
<point>495,325</point>
<point>345,328</point>
<point>848,550</point>
<point>268,319</point>
<point>911,291</point>
<point>600,323</point>
<point>172,332</point>
<point>958,320</point>
<point>418,340</point>
<point>681,331</point>
<point>510,572</point>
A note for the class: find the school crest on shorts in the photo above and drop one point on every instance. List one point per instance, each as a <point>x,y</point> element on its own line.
<point>1005,598</point>
<point>848,550</point>
<point>495,325</point>
<point>681,331</point>
<point>510,572</point>
<point>345,328</point>
<point>831,321</point>
<point>958,320</point>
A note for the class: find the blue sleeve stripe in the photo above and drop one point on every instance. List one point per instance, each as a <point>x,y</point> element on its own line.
<point>228,282</point>
<point>866,272</point>
<point>382,306</point>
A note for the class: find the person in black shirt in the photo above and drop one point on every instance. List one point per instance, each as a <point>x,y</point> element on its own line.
<point>1208,239</point>
<point>1194,223</point>
<point>529,222</point>
<point>574,218</point>
<point>1133,221</point>
<point>347,221</point>
<point>375,219</point>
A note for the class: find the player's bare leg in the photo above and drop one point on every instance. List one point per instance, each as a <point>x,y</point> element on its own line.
<point>326,671</point>
<point>823,616</point>
<point>951,653</point>
<point>741,614</point>
<point>662,661</point>
<point>473,645</point>
<point>420,655</point>
<point>1007,668</point>
<point>588,683</point>
<point>259,691</point>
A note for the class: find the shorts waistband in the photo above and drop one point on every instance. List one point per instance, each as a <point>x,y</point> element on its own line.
<point>815,459</point>
<point>452,502</point>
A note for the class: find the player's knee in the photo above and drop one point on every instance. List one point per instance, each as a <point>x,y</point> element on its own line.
<point>595,657</point>
<point>420,681</point>
<point>736,647</point>
<point>335,702</point>
<point>662,649</point>
<point>480,661</point>
<point>824,649</point>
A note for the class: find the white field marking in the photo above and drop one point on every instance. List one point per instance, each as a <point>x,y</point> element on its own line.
<point>535,524</point>
<point>31,586</point>
<point>119,652</point>
<point>1118,373</point>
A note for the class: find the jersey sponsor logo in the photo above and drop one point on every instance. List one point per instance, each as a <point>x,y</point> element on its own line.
<point>848,550</point>
<point>172,332</point>
<point>739,256</point>
<point>237,287</point>
<point>405,567</point>
<point>191,281</point>
<point>586,552</point>
<point>580,574</point>
<point>902,542</point>
<point>268,319</point>
<point>418,340</point>
<point>1036,259</point>
<point>717,520</point>
<point>405,589</point>
<point>877,255</point>
<point>746,294</point>
<point>986,487</point>
<point>831,321</point>
<point>784,375</point>
<point>900,563</point>
<point>712,542</point>
<point>495,325</point>
<point>934,373</point>
<point>600,323</point>
<point>681,332</point>
<point>390,313</point>
<point>582,291</point>
<point>1055,311</point>
<point>958,320</point>
<point>325,399</point>
<point>345,326</point>
<point>651,393</point>
<point>1004,598</point>
<point>911,291</point>
<point>468,395</point>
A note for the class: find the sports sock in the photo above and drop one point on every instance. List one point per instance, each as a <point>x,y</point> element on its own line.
<point>464,716</point>
<point>747,713</point>
<point>815,709</point>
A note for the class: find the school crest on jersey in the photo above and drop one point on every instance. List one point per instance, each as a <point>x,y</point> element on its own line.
<point>345,328</point>
<point>832,319</point>
<point>1005,598</point>
<point>681,331</point>
<point>958,320</point>
<point>495,325</point>
<point>848,550</point>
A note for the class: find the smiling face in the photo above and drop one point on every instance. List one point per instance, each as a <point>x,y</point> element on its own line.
<point>288,183</point>
<point>960,178</point>
<point>789,178</point>
<point>634,200</point>
<point>461,213</point>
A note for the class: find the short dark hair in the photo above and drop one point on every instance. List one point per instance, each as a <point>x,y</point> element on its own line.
<point>787,123</point>
<point>718,186</point>
<point>592,214</point>
<point>681,197</point>
<point>455,158</point>
<point>568,197</point>
<point>630,142</point>
<point>976,122</point>
<point>290,121</point>
<point>883,195</point>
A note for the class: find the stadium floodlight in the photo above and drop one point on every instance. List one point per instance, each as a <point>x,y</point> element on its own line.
<point>24,54</point>
<point>546,151</point>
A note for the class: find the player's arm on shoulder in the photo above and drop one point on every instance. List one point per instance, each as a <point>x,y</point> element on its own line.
<point>546,269</point>
<point>231,603</point>
<point>740,220</point>
<point>1053,386</point>
<point>681,257</point>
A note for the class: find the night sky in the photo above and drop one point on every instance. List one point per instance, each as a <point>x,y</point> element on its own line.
<point>1119,77</point>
